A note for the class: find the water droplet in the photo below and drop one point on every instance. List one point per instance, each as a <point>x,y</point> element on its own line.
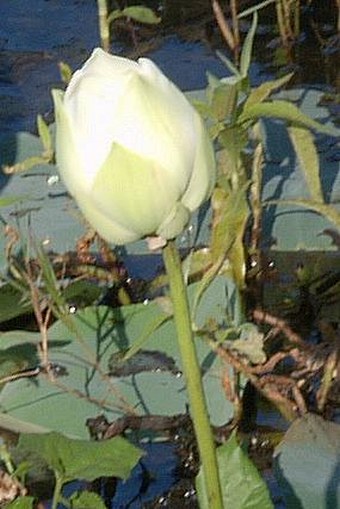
<point>53,180</point>
<point>189,493</point>
<point>72,309</point>
<point>253,441</point>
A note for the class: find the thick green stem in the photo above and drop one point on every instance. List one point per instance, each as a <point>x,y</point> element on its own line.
<point>104,29</point>
<point>192,373</point>
<point>57,491</point>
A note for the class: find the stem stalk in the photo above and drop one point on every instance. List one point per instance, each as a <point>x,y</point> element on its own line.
<point>192,372</point>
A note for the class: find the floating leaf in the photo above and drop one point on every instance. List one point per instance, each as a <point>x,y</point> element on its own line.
<point>324,209</point>
<point>307,463</point>
<point>17,426</point>
<point>97,332</point>
<point>241,484</point>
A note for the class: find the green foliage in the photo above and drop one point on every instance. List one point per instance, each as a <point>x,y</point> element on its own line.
<point>86,500</point>
<point>65,72</point>
<point>13,302</point>
<point>45,157</point>
<point>234,113</point>
<point>72,459</point>
<point>137,13</point>
<point>241,484</point>
<point>45,137</point>
<point>21,503</point>
<point>283,110</point>
<point>10,200</point>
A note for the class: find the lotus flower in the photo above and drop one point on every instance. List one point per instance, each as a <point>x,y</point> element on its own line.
<point>131,149</point>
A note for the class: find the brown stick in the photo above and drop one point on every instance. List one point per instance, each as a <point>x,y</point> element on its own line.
<point>264,317</point>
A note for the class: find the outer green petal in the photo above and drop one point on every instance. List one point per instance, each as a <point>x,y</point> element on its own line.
<point>175,222</point>
<point>134,192</point>
<point>109,230</point>
<point>203,176</point>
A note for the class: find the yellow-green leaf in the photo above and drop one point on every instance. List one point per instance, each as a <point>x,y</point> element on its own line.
<point>283,110</point>
<point>141,14</point>
<point>309,160</point>
<point>262,92</point>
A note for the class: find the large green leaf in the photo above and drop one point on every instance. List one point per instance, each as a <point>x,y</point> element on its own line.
<point>307,464</point>
<point>65,402</point>
<point>241,484</point>
<point>74,459</point>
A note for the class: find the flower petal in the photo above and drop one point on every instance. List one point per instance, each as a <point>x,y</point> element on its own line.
<point>134,192</point>
<point>203,175</point>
